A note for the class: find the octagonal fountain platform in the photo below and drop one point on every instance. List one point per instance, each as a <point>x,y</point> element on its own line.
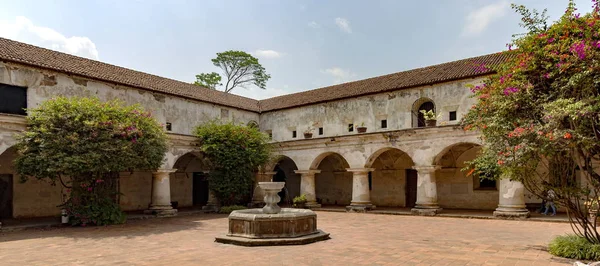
<point>272,225</point>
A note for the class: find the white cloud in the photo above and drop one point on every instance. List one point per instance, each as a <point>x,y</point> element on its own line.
<point>260,94</point>
<point>478,20</point>
<point>343,24</point>
<point>22,29</point>
<point>339,75</point>
<point>314,24</point>
<point>268,54</point>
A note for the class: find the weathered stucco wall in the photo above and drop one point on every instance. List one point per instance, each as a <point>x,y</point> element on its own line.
<point>334,184</point>
<point>396,107</point>
<point>389,178</point>
<point>136,189</point>
<point>183,114</point>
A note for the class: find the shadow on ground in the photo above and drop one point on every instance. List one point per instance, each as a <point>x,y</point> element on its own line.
<point>131,229</point>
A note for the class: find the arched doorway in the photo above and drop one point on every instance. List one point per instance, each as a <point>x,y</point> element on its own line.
<point>425,104</point>
<point>333,184</point>
<point>189,185</point>
<point>284,169</point>
<point>457,190</point>
<point>393,182</point>
<point>7,175</point>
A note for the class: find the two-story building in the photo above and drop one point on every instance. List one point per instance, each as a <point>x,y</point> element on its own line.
<point>398,162</point>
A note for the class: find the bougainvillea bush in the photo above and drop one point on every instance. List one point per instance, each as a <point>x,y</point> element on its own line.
<point>235,153</point>
<point>539,115</point>
<point>83,144</point>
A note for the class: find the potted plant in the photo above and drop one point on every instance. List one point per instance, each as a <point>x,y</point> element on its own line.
<point>300,201</point>
<point>430,118</point>
<point>361,128</point>
<point>308,133</point>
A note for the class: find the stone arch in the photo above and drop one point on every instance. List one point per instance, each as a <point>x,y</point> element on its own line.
<point>421,103</point>
<point>333,185</point>
<point>455,188</point>
<point>252,124</point>
<point>284,169</point>
<point>189,184</point>
<point>393,182</point>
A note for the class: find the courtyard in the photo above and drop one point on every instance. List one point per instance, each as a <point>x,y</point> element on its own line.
<point>357,239</point>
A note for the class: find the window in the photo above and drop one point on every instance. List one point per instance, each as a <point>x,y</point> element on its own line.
<point>452,116</point>
<point>350,127</point>
<point>320,131</point>
<point>426,106</point>
<point>169,126</point>
<point>294,134</point>
<point>13,99</point>
<point>484,184</point>
<point>270,134</point>
<point>384,123</point>
<point>252,124</point>
<point>224,114</point>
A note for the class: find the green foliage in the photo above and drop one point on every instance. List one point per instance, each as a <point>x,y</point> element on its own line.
<point>240,68</point>
<point>235,152</point>
<point>299,200</point>
<point>209,80</point>
<point>229,209</point>
<point>84,143</point>
<point>574,247</point>
<point>429,115</point>
<point>539,114</point>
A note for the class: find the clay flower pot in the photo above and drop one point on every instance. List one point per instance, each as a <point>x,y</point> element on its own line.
<point>361,129</point>
<point>430,123</point>
<point>308,135</point>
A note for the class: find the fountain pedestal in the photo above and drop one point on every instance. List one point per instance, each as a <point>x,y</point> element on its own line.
<point>272,225</point>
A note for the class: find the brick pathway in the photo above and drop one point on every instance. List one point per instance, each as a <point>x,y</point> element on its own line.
<point>357,239</point>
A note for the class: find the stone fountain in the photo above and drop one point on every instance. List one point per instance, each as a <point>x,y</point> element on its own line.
<point>272,225</point>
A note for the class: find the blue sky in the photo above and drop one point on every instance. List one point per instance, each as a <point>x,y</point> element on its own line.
<point>303,44</point>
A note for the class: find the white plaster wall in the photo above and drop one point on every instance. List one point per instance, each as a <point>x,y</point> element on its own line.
<point>182,113</point>
<point>136,189</point>
<point>395,107</point>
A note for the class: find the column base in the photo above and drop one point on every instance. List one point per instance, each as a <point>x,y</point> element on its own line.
<point>161,212</point>
<point>360,207</point>
<point>312,205</point>
<point>210,208</point>
<point>425,211</point>
<point>511,213</point>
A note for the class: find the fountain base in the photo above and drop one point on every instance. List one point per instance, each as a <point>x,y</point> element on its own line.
<point>253,227</point>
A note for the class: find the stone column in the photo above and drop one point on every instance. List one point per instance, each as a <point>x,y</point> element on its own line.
<point>511,202</point>
<point>161,194</point>
<point>307,187</point>
<point>361,195</point>
<point>212,205</point>
<point>426,191</point>
<point>258,196</point>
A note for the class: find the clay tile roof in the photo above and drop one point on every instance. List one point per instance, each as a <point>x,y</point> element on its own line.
<point>39,57</point>
<point>461,69</point>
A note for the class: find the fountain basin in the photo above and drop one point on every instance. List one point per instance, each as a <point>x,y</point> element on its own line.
<point>252,227</point>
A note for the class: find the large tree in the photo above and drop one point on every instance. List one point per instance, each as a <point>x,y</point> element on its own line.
<point>240,70</point>
<point>539,116</point>
<point>83,144</point>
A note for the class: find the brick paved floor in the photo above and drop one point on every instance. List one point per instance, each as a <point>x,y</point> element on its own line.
<point>357,239</point>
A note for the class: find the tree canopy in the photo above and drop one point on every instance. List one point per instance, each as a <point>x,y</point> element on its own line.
<point>84,143</point>
<point>240,70</point>
<point>539,114</point>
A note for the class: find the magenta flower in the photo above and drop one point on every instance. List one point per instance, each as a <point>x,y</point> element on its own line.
<point>579,49</point>
<point>510,90</point>
<point>547,75</point>
<point>551,40</point>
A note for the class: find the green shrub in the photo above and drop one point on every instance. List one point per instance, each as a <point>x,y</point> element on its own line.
<point>574,247</point>
<point>235,152</point>
<point>83,144</point>
<point>229,209</point>
<point>299,200</point>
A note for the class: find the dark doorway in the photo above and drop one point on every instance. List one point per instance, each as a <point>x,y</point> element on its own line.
<point>427,106</point>
<point>6,195</point>
<point>200,189</point>
<point>280,177</point>
<point>411,187</point>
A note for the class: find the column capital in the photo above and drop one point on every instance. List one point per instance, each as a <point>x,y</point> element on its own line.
<point>307,172</point>
<point>360,170</point>
<point>426,168</point>
<point>165,171</point>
